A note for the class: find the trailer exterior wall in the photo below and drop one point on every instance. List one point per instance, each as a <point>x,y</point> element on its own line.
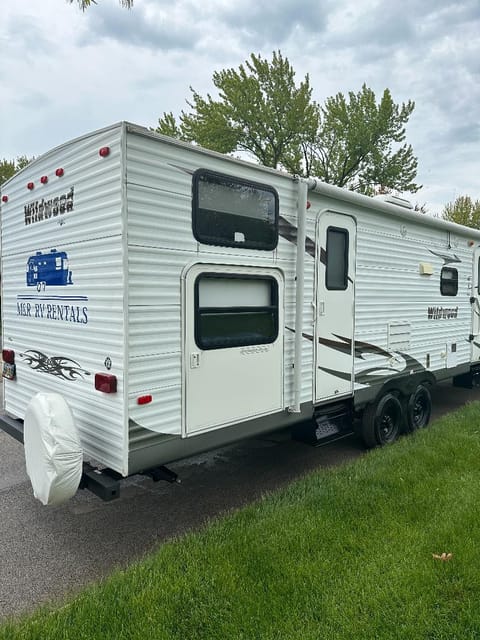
<point>392,295</point>
<point>390,245</point>
<point>161,247</point>
<point>63,335</point>
<point>391,290</point>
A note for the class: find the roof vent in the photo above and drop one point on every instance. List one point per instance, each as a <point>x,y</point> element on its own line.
<point>391,199</point>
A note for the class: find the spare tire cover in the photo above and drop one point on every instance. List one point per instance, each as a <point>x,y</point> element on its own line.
<point>53,452</point>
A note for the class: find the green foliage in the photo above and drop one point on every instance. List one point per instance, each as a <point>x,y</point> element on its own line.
<point>463,211</point>
<point>354,144</point>
<point>84,4</point>
<point>9,167</point>
<point>260,110</point>
<point>342,553</point>
<point>351,142</point>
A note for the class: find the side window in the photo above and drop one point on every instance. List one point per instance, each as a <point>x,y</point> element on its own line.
<point>235,310</point>
<point>336,274</point>
<point>478,277</point>
<point>449,281</point>
<point>230,212</point>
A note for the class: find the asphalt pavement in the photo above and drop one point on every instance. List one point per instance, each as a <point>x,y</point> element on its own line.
<point>48,553</point>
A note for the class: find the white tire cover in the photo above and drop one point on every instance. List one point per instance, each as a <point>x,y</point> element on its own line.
<point>53,453</point>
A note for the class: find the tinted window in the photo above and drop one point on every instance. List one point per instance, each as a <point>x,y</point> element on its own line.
<point>235,311</point>
<point>231,212</point>
<point>336,277</point>
<point>449,281</point>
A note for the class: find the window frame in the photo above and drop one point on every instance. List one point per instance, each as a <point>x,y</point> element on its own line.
<point>445,283</point>
<point>346,234</point>
<point>232,310</point>
<point>217,241</point>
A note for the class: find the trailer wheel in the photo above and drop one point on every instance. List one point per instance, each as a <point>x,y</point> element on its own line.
<point>382,421</point>
<point>419,408</point>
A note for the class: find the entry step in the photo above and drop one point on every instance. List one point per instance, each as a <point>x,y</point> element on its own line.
<point>328,423</point>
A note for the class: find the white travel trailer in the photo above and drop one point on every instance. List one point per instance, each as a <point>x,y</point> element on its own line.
<point>162,300</point>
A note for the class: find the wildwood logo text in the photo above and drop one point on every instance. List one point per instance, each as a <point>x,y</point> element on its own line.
<point>45,209</point>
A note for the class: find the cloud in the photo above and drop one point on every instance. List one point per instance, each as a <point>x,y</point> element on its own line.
<point>65,72</point>
<point>160,26</point>
<point>272,23</point>
<point>22,34</point>
<point>380,31</point>
<point>186,24</point>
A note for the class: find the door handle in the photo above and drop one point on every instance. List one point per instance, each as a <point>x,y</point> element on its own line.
<point>194,360</point>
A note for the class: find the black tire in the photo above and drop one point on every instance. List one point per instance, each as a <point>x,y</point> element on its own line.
<point>419,409</point>
<point>382,421</point>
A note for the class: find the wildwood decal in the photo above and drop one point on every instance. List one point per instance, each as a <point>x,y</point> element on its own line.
<point>45,209</point>
<point>442,313</point>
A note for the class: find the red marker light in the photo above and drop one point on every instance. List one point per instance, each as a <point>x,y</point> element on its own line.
<point>30,186</point>
<point>8,356</point>
<point>44,179</point>
<point>144,399</point>
<point>4,198</point>
<point>309,204</point>
<point>104,152</point>
<point>105,382</point>
<point>59,173</point>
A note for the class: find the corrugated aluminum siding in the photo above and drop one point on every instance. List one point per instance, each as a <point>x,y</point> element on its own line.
<point>83,321</point>
<point>160,246</point>
<point>389,287</point>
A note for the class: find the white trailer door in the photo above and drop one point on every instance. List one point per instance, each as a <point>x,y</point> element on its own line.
<point>335,302</point>
<point>233,362</point>
<point>476,306</point>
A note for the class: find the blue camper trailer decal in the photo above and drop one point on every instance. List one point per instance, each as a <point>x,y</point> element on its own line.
<point>48,269</point>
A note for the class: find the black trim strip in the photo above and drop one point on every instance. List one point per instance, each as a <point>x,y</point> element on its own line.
<point>304,335</point>
<point>445,257</point>
<point>289,232</point>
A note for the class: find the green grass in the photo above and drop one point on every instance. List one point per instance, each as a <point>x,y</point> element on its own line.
<point>341,554</point>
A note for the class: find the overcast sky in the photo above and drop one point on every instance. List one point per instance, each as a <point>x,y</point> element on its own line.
<point>64,73</point>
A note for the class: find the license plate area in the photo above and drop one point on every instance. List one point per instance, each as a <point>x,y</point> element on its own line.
<point>8,371</point>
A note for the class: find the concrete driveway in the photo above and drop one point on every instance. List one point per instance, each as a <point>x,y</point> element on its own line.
<point>47,553</point>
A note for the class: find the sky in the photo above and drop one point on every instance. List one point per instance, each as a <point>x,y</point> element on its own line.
<point>64,73</point>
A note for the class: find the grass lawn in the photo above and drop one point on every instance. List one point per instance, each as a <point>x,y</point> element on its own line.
<point>343,553</point>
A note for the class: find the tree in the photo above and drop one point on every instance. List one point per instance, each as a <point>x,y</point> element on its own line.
<point>9,167</point>
<point>354,144</point>
<point>260,110</point>
<point>351,142</point>
<point>84,4</point>
<point>463,211</point>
